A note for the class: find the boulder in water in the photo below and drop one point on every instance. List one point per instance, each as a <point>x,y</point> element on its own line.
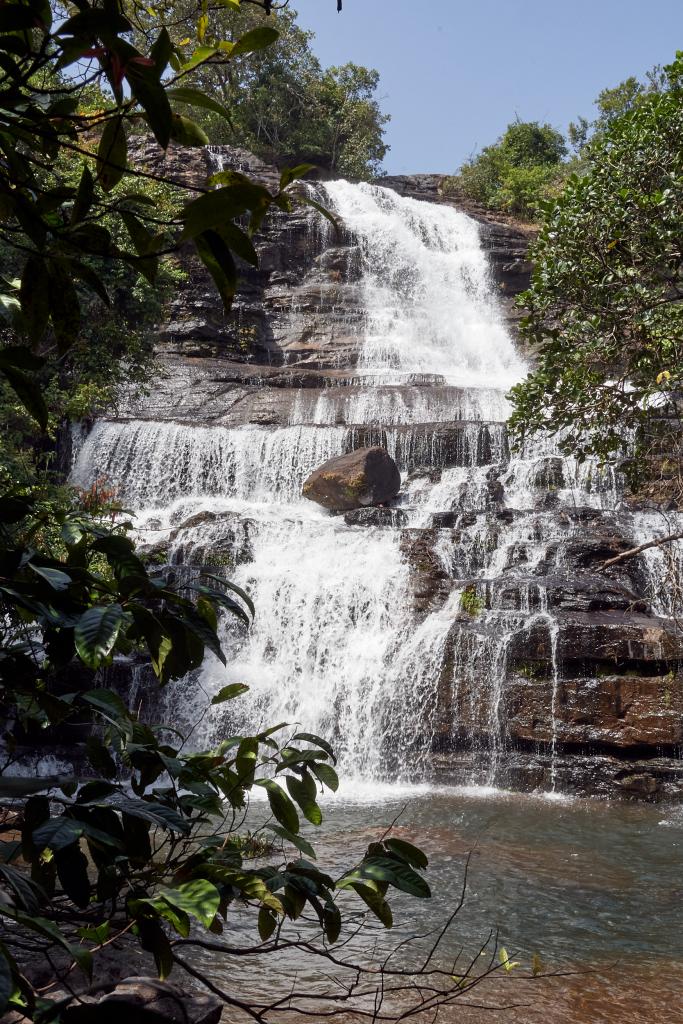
<point>366,476</point>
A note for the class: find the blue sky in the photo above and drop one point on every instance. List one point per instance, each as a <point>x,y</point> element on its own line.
<point>455,72</point>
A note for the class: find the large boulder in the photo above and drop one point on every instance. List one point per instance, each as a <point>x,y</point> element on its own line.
<point>366,476</point>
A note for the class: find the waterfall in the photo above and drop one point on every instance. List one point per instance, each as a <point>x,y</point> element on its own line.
<point>345,644</point>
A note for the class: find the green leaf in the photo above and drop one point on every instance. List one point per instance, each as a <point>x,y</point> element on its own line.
<point>64,306</point>
<point>212,210</point>
<point>57,579</point>
<point>72,871</point>
<point>157,814</point>
<point>152,97</point>
<point>299,791</point>
<point>375,901</point>
<point>57,833</point>
<point>326,774</point>
<point>199,898</point>
<point>332,921</point>
<point>256,39</point>
<point>291,174</point>
<point>267,923</point>
<point>505,960</point>
<point>112,154</point>
<point>96,633</point>
<point>28,894</point>
<point>187,132</point>
<point>316,741</point>
<point>29,393</point>
<point>240,243</point>
<point>154,940</point>
<point>322,210</point>
<point>6,980</point>
<point>229,693</point>
<point>218,260</point>
<point>85,196</point>
<point>298,841</point>
<point>280,804</point>
<point>107,702</point>
<point>406,851</point>
<point>201,54</point>
<point>196,98</point>
<point>99,758</point>
<point>33,294</point>
<point>383,869</point>
<point>93,281</point>
<point>235,589</point>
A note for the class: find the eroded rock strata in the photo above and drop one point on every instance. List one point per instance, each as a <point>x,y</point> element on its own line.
<point>550,671</point>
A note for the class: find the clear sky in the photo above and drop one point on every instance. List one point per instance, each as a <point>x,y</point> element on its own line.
<point>454,73</point>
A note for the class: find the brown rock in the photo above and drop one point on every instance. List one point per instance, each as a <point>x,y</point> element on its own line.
<point>143,1001</point>
<point>366,476</point>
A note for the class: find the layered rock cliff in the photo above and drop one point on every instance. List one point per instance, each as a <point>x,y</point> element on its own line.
<point>537,666</point>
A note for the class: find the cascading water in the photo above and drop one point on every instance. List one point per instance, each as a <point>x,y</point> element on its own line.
<point>338,645</point>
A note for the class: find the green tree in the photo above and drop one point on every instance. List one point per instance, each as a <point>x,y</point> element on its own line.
<point>282,105</point>
<point>517,173</point>
<point>605,310</point>
<point>613,103</point>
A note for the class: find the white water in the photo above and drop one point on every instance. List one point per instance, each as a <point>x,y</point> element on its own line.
<point>336,646</point>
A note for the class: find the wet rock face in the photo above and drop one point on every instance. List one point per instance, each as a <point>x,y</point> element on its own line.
<point>559,670</point>
<point>366,476</point>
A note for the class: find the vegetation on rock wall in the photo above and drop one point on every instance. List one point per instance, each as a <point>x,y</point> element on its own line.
<point>605,309</point>
<point>517,173</point>
<point>528,166</point>
<point>281,105</point>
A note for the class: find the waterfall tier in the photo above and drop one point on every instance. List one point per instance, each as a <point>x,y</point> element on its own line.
<point>469,626</point>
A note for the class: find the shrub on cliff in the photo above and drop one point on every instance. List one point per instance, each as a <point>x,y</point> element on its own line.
<point>515,174</point>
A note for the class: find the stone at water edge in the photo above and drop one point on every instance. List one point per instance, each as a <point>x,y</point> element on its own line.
<point>366,476</point>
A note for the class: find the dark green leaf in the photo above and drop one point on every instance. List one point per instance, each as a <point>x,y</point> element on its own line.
<point>100,758</point>
<point>72,871</point>
<point>280,804</point>
<point>112,154</point>
<point>33,294</point>
<point>326,774</point>
<point>29,393</point>
<point>218,260</point>
<point>57,579</point>
<point>229,693</point>
<point>298,841</point>
<point>290,174</point>
<point>196,98</point>
<point>256,39</point>
<point>85,196</point>
<point>96,633</point>
<point>198,898</point>
<point>187,132</point>
<point>267,923</point>
<point>412,855</point>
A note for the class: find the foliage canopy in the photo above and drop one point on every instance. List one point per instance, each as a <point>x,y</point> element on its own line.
<point>605,310</point>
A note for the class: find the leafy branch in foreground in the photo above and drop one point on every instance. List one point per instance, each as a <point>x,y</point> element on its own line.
<point>67,235</point>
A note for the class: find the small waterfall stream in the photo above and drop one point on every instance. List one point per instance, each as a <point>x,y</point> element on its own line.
<point>338,644</point>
